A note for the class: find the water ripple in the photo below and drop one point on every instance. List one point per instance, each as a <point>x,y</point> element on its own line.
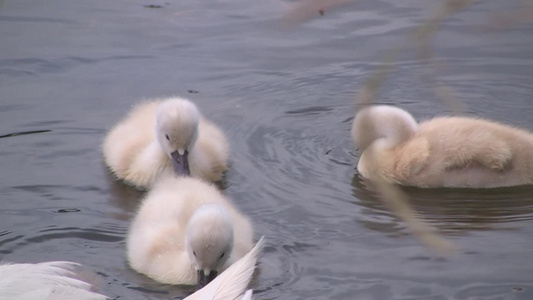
<point>35,20</point>
<point>453,210</point>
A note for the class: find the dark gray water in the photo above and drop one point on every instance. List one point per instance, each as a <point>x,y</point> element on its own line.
<point>285,98</point>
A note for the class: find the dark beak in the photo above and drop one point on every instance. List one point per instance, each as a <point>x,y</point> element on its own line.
<point>181,163</point>
<point>204,280</point>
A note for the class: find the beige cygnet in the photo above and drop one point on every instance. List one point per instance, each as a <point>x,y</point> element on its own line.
<point>186,231</point>
<point>441,152</point>
<point>162,137</point>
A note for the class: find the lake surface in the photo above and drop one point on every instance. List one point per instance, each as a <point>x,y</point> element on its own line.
<point>285,97</point>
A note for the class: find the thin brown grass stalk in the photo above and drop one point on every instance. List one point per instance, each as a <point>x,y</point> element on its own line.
<point>398,202</point>
<point>424,36</point>
<point>396,199</point>
<point>502,20</point>
<point>369,91</point>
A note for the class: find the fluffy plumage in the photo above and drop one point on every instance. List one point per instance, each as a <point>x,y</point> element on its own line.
<point>441,152</point>
<point>185,225</point>
<point>138,148</point>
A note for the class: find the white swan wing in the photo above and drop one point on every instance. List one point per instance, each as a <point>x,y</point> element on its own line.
<point>49,280</point>
<point>233,282</point>
<point>247,295</point>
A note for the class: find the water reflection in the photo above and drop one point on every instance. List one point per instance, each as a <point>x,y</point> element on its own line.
<point>127,197</point>
<point>123,196</point>
<point>452,211</point>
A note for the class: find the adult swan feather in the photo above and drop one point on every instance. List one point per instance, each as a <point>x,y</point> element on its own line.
<point>55,280</point>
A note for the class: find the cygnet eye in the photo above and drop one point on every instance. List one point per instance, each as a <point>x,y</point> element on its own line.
<point>166,135</point>
<point>222,255</point>
<point>194,253</point>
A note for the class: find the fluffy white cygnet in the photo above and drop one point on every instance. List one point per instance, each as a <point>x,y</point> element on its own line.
<point>186,231</point>
<point>162,137</point>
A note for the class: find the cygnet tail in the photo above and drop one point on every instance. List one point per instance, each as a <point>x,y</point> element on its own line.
<point>233,281</point>
<point>49,280</point>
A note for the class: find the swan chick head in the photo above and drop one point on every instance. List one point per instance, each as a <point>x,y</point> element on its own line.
<point>177,131</point>
<point>382,121</point>
<point>209,241</point>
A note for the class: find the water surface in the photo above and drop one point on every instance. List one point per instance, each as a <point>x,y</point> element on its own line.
<point>285,98</point>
